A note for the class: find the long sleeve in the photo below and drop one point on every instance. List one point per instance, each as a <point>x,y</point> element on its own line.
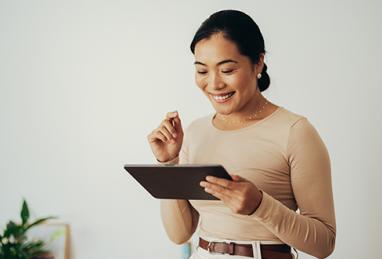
<point>179,218</point>
<point>313,230</point>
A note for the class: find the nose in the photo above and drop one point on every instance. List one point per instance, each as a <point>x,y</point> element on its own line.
<point>215,82</point>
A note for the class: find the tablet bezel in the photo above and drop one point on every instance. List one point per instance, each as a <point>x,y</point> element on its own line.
<point>176,181</point>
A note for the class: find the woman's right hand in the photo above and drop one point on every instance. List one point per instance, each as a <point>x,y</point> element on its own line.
<point>166,140</point>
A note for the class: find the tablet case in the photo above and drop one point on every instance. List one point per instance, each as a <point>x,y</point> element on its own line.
<point>165,181</point>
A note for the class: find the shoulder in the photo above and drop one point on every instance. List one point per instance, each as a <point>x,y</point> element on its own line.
<point>301,130</point>
<point>289,118</point>
<point>289,126</point>
<point>296,121</point>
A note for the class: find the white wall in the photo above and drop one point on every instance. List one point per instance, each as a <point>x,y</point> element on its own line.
<point>83,82</point>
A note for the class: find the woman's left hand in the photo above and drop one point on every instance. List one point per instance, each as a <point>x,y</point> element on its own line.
<point>240,195</point>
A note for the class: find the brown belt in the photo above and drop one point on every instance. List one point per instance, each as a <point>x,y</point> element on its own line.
<point>241,249</point>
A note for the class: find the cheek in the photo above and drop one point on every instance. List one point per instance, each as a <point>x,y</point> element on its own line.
<point>200,81</point>
<point>241,82</point>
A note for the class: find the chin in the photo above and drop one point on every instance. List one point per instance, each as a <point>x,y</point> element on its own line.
<point>223,108</point>
<point>226,111</point>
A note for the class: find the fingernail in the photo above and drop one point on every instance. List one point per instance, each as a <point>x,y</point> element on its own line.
<point>174,135</point>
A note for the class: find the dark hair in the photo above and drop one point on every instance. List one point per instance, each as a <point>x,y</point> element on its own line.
<point>240,29</point>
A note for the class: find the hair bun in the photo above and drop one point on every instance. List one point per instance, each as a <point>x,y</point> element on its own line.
<point>264,82</point>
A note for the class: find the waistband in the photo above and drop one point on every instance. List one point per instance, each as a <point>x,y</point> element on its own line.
<point>249,248</point>
<point>263,242</point>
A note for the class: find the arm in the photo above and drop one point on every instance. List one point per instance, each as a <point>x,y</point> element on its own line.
<point>313,230</point>
<point>179,218</point>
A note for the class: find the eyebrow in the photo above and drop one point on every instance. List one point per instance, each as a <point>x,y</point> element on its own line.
<point>220,63</point>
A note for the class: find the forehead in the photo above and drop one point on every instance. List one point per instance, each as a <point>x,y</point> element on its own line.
<point>215,49</point>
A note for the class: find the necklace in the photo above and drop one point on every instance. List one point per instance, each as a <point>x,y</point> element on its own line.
<point>250,117</point>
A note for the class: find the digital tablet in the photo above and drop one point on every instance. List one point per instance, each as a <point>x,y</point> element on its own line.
<point>165,181</point>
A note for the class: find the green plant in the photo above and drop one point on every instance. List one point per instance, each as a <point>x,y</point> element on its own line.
<point>14,243</point>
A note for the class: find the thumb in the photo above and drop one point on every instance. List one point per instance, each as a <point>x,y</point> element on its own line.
<point>237,178</point>
<point>178,124</point>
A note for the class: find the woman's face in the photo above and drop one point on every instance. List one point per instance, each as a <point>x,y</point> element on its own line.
<point>226,77</point>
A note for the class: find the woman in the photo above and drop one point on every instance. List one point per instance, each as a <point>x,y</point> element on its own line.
<point>277,160</point>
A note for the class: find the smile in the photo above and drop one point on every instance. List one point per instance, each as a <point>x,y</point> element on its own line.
<point>222,98</point>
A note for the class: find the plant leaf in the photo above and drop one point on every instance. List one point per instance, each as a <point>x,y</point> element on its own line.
<point>39,221</point>
<point>12,229</point>
<point>24,212</point>
<point>33,247</point>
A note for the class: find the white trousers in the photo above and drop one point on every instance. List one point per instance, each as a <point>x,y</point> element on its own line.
<point>200,253</point>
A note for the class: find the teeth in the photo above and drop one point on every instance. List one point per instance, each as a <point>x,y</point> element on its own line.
<point>218,97</point>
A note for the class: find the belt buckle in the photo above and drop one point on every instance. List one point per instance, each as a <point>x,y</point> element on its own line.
<point>209,246</point>
<point>231,247</point>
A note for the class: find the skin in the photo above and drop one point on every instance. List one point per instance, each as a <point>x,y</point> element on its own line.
<point>219,69</point>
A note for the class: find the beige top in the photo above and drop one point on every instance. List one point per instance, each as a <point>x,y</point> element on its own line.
<point>284,156</point>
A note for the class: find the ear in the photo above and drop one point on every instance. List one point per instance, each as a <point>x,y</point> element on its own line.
<point>260,65</point>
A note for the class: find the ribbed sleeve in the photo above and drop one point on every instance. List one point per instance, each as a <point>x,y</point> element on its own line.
<point>313,230</point>
<point>179,218</point>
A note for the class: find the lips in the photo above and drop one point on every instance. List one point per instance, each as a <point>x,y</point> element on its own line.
<point>221,98</point>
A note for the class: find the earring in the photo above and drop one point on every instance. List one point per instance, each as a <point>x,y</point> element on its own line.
<point>258,75</point>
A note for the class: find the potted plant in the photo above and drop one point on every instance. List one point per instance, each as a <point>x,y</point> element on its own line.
<point>14,243</point>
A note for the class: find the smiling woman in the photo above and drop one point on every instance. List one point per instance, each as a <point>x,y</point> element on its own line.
<point>278,162</point>
<point>230,68</point>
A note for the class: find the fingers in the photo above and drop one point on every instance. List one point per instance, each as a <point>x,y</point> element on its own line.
<point>222,186</point>
<point>155,135</point>
<point>225,189</point>
<point>169,129</point>
<point>220,181</point>
<point>174,119</point>
<point>178,124</point>
<point>170,116</point>
<point>229,197</point>
<point>167,135</point>
<point>221,196</point>
<point>218,191</point>
<point>240,199</point>
<point>169,121</point>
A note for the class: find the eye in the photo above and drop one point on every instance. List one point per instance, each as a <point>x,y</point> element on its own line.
<point>227,71</point>
<point>201,72</point>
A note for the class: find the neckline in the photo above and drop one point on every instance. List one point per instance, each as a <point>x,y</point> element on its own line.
<point>255,124</point>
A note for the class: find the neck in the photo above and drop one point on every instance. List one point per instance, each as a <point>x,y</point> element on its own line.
<point>253,110</point>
